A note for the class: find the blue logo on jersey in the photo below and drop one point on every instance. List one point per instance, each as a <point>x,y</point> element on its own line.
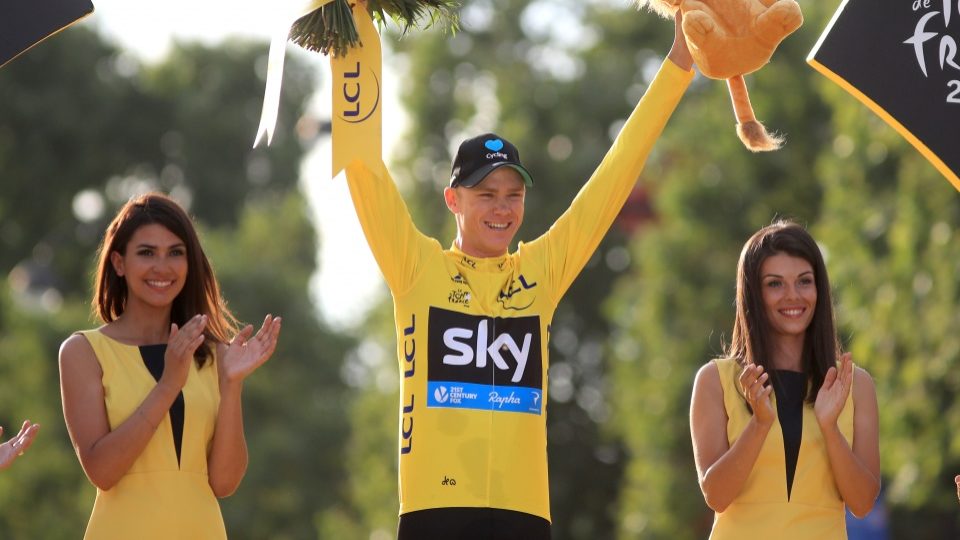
<point>494,145</point>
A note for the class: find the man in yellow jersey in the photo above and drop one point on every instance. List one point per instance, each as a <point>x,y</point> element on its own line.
<point>472,322</point>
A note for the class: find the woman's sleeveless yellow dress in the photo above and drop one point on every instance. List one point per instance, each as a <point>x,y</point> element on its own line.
<point>814,508</point>
<point>165,494</point>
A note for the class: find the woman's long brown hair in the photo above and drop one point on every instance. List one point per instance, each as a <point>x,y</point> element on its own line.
<point>201,292</point>
<point>751,341</point>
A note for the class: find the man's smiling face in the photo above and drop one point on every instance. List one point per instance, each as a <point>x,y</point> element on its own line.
<point>488,214</point>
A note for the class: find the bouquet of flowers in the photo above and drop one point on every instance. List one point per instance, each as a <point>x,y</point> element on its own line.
<point>331,28</point>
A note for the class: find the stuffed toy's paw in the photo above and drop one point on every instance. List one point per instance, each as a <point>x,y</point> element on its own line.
<point>735,37</point>
<point>731,38</point>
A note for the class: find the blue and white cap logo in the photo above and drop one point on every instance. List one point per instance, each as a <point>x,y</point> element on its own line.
<point>494,145</point>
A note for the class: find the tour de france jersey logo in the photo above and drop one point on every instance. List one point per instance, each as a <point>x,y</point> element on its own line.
<point>486,363</point>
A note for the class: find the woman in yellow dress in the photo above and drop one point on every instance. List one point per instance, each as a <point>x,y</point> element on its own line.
<point>785,428</point>
<point>152,399</point>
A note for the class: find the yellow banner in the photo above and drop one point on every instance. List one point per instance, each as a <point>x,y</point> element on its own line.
<point>357,123</point>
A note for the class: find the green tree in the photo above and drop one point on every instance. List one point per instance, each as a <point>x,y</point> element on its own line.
<point>293,405</point>
<point>891,225</point>
<point>368,499</point>
<point>44,494</point>
<point>82,117</point>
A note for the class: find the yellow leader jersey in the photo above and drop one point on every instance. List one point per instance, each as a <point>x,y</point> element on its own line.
<point>763,509</point>
<point>472,332</point>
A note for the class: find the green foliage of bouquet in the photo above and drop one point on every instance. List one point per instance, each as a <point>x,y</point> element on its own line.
<point>332,28</point>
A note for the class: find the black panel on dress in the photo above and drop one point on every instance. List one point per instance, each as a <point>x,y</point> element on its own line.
<point>791,388</point>
<point>153,358</point>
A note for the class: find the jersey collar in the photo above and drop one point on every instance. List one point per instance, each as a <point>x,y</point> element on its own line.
<point>482,264</point>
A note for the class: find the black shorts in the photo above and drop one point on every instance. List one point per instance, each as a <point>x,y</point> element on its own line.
<point>472,524</point>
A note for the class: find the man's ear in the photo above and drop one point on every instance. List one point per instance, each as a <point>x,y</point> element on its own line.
<point>450,197</point>
<point>117,261</point>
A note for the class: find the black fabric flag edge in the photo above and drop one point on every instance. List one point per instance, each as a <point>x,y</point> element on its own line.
<point>48,36</point>
<point>876,108</point>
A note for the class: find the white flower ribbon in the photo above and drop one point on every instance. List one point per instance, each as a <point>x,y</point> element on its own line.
<point>282,19</point>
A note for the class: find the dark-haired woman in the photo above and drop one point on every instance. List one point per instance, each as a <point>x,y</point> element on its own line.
<point>784,428</point>
<point>152,398</point>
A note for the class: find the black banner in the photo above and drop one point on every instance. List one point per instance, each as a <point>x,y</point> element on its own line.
<point>24,23</point>
<point>901,59</point>
<point>484,350</point>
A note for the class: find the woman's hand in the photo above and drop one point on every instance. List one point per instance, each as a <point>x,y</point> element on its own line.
<point>834,392</point>
<point>16,446</point>
<point>181,346</point>
<point>756,388</point>
<point>244,355</point>
<point>227,459</point>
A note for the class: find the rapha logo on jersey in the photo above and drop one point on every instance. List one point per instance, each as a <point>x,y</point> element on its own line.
<point>488,363</point>
<point>361,93</point>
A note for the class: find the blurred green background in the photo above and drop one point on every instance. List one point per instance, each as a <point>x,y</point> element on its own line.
<point>83,126</point>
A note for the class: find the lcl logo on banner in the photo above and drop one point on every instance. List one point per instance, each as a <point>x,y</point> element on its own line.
<point>901,59</point>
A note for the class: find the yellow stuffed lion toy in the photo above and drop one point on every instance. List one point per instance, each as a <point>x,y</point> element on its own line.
<point>731,38</point>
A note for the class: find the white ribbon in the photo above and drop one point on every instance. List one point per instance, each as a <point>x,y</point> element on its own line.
<point>283,18</point>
